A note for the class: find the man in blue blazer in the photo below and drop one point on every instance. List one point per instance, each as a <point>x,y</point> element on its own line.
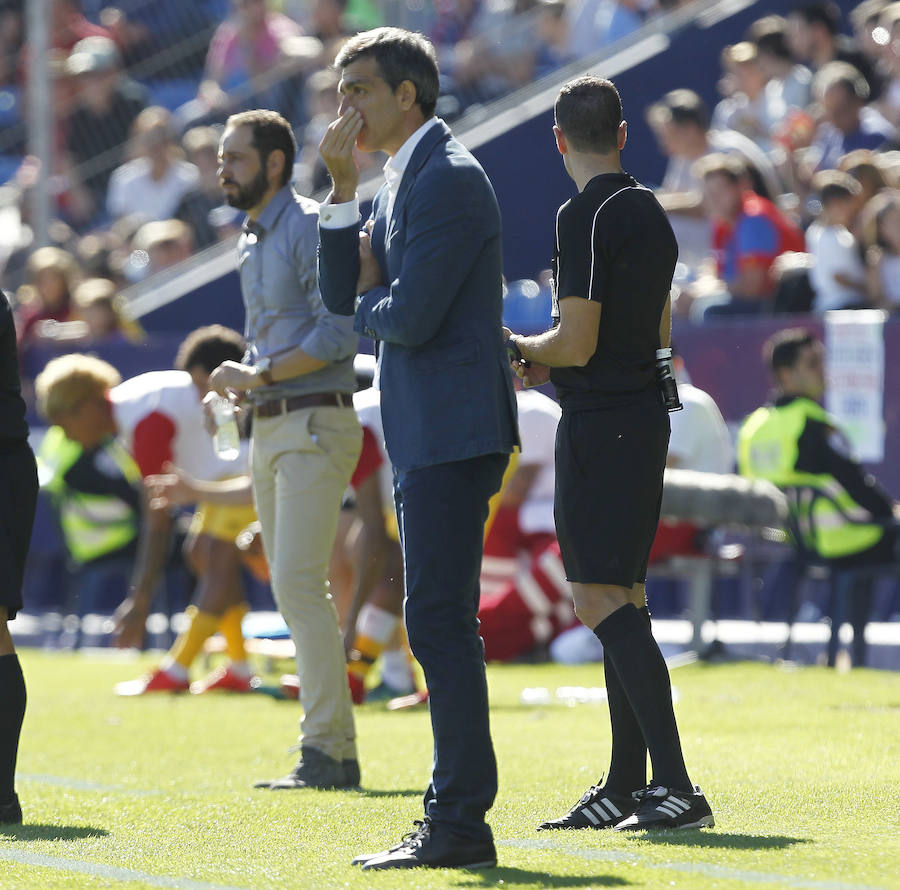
<point>424,280</point>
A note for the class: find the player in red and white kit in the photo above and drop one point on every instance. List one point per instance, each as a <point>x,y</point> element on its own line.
<point>525,599</point>
<point>373,620</point>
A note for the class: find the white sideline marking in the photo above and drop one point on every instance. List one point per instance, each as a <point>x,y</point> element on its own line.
<point>95,869</point>
<point>82,785</point>
<point>704,868</point>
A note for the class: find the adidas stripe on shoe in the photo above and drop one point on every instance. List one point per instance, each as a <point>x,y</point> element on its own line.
<point>661,807</point>
<point>597,808</point>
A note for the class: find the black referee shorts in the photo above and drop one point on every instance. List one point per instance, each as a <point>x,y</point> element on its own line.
<point>18,498</point>
<point>609,476</point>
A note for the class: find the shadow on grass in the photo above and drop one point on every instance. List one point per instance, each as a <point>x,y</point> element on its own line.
<point>50,832</point>
<point>509,876</point>
<point>714,840</point>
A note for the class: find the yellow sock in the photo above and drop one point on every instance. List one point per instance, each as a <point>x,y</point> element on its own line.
<point>365,654</point>
<point>186,648</point>
<point>230,628</point>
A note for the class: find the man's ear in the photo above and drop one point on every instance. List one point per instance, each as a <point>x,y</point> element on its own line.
<point>622,135</point>
<point>275,165</point>
<point>561,145</point>
<point>406,94</point>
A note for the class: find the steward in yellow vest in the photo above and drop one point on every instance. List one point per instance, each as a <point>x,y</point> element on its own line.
<point>96,494</point>
<point>794,443</point>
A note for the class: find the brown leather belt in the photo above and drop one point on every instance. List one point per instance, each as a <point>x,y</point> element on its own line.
<point>309,400</point>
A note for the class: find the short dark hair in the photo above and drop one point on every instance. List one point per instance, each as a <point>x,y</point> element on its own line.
<point>770,36</point>
<point>731,166</point>
<point>208,347</point>
<point>270,132</point>
<point>835,185</point>
<point>783,349</point>
<point>680,107</point>
<point>827,14</point>
<point>589,111</point>
<point>844,75</point>
<point>400,55</point>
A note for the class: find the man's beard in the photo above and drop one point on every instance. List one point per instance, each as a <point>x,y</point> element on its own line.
<point>248,196</point>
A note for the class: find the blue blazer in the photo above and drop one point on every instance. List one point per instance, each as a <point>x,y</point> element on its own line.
<point>446,389</point>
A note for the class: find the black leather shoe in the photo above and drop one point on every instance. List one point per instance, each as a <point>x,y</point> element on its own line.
<point>11,812</point>
<point>316,770</point>
<point>363,858</point>
<point>434,846</point>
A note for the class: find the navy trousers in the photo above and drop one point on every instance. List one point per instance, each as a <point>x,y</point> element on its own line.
<point>441,512</point>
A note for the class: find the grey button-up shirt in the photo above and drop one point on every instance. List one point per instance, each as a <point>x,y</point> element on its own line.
<point>277,265</point>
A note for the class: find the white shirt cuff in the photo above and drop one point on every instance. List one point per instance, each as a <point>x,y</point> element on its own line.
<point>339,216</point>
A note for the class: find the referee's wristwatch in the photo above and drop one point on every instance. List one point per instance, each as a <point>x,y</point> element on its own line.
<point>263,369</point>
<point>514,353</point>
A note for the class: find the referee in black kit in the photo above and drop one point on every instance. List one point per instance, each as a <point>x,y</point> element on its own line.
<point>18,497</point>
<point>608,355</point>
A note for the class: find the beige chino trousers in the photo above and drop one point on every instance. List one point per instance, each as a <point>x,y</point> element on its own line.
<point>301,463</point>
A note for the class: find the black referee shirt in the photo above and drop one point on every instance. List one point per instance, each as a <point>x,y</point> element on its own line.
<point>13,427</point>
<point>614,245</point>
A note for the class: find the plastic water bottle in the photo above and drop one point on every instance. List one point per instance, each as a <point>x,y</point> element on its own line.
<point>226,439</point>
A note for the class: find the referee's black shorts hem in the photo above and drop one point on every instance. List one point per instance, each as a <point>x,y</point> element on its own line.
<point>609,475</point>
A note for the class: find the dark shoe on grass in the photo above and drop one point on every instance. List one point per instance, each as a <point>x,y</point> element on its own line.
<point>667,808</point>
<point>316,770</point>
<point>11,812</point>
<point>598,808</point>
<point>352,775</point>
<point>432,845</point>
<point>363,858</point>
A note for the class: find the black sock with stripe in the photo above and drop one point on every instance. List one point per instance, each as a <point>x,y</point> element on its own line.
<point>629,644</point>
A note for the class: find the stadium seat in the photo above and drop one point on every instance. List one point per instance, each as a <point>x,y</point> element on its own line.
<point>841,582</point>
<point>10,106</point>
<point>9,164</point>
<point>171,94</point>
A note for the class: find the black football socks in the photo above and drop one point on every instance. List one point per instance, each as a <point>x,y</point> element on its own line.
<point>629,644</point>
<point>628,759</point>
<point>12,711</point>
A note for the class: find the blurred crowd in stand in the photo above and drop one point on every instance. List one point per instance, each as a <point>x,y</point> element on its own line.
<point>785,195</point>
<point>140,91</point>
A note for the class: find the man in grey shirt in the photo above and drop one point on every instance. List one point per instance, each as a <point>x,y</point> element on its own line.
<point>298,377</point>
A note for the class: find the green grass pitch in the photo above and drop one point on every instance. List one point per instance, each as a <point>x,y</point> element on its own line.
<point>802,768</point>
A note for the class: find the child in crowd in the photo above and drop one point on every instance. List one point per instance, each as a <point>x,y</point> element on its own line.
<point>838,275</point>
<point>882,238</point>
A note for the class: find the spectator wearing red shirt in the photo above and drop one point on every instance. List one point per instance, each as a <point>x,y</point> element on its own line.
<point>748,233</point>
<point>68,25</point>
